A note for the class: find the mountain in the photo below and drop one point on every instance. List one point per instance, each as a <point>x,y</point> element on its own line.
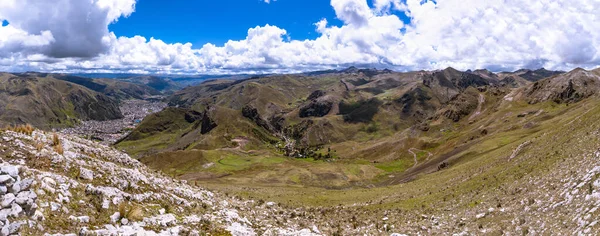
<point>569,87</point>
<point>304,115</point>
<point>118,89</point>
<point>163,84</point>
<point>46,102</point>
<point>514,168</point>
<point>536,75</point>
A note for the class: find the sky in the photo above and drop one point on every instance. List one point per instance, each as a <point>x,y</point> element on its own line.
<point>288,36</point>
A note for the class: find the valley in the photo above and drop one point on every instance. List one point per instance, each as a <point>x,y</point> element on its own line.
<point>365,151</point>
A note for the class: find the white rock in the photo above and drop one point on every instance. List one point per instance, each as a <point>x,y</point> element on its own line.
<point>26,184</point>
<point>479,216</point>
<point>84,219</point>
<point>86,174</point>
<point>16,187</point>
<point>3,190</point>
<point>4,214</point>
<point>115,217</point>
<point>124,221</point>
<point>161,211</point>
<point>105,203</point>
<point>238,229</point>
<point>7,200</point>
<point>10,170</point>
<point>38,215</point>
<point>6,179</point>
<point>4,231</point>
<point>54,206</point>
<point>15,210</point>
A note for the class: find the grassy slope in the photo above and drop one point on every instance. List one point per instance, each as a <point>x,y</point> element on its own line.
<point>46,102</point>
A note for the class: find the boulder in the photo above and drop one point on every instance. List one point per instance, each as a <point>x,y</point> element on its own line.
<point>86,174</point>
<point>13,171</point>
<point>4,179</point>
<point>7,200</point>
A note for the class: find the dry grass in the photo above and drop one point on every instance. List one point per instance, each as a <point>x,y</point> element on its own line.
<point>130,211</point>
<point>39,146</point>
<point>23,129</point>
<point>56,144</point>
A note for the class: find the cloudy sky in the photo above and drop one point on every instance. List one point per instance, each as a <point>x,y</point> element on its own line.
<point>264,36</point>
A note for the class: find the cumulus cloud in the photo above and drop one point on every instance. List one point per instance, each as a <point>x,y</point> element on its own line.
<point>466,34</point>
<point>67,28</point>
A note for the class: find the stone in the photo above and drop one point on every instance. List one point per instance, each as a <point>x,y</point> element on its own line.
<point>7,200</point>
<point>4,214</point>
<point>161,211</point>
<point>10,170</point>
<point>26,184</point>
<point>115,217</point>
<point>32,195</point>
<point>38,215</point>
<point>105,203</point>
<point>86,174</point>
<point>21,200</point>
<point>124,221</point>
<point>54,206</point>
<point>14,228</point>
<point>4,231</point>
<point>3,190</point>
<point>15,210</point>
<point>6,179</point>
<point>16,188</point>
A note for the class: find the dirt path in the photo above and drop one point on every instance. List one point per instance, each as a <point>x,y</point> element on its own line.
<point>427,167</point>
<point>479,106</point>
<point>411,150</point>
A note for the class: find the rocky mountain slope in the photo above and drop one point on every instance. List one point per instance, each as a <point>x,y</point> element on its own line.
<point>47,102</point>
<point>60,184</point>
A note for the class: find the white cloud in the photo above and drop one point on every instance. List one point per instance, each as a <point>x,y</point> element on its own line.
<point>466,34</point>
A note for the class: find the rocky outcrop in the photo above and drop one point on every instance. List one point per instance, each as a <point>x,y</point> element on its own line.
<point>92,189</point>
<point>251,113</point>
<point>18,200</point>
<point>316,108</point>
<point>207,124</point>
<point>565,88</point>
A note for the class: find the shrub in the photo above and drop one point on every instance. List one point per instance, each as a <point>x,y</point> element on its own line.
<point>132,212</point>
<point>59,149</point>
<point>55,140</point>
<point>57,145</point>
<point>39,146</point>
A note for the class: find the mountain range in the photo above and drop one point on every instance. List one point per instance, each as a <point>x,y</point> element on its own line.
<point>354,151</point>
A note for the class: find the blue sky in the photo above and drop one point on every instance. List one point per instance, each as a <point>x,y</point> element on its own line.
<point>200,21</point>
<point>251,36</point>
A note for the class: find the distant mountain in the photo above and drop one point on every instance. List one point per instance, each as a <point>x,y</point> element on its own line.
<point>47,102</point>
<point>570,87</point>
<point>536,75</point>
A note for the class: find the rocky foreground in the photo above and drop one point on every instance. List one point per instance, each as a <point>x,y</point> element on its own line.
<point>86,188</point>
<point>59,184</point>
